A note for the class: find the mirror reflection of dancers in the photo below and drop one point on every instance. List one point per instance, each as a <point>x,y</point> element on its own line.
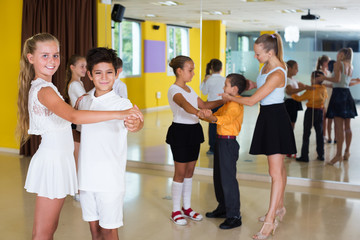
<point>342,106</point>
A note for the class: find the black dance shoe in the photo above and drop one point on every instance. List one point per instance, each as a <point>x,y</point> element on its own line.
<point>302,159</point>
<point>230,223</point>
<point>216,214</point>
<point>320,158</point>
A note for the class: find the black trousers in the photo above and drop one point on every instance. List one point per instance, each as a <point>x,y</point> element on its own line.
<point>313,117</point>
<point>212,132</point>
<point>225,183</point>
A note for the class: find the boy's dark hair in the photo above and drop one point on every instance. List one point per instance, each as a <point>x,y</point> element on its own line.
<point>216,65</point>
<point>316,74</point>
<point>119,63</point>
<point>290,63</point>
<point>331,65</point>
<point>102,54</point>
<point>237,80</point>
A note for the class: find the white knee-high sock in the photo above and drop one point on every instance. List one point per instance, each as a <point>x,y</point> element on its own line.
<point>186,192</point>
<point>176,190</point>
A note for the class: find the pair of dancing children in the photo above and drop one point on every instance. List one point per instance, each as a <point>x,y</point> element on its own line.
<point>185,136</point>
<point>106,119</point>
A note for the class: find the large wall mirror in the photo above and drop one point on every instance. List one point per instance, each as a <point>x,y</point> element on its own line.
<point>336,28</point>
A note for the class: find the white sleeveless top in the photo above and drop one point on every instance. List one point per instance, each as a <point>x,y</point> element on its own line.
<point>276,96</point>
<point>344,80</point>
<point>41,119</point>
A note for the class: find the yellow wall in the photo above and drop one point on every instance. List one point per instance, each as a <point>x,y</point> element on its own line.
<point>9,67</point>
<point>213,44</point>
<point>104,19</point>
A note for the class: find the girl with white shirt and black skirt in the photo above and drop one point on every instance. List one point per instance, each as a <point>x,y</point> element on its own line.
<point>185,136</point>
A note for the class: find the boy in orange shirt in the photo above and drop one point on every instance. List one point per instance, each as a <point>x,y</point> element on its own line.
<point>228,119</point>
<point>313,117</point>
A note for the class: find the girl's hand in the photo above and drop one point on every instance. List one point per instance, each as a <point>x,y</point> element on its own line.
<point>204,113</point>
<point>135,113</point>
<point>133,124</point>
<point>79,100</point>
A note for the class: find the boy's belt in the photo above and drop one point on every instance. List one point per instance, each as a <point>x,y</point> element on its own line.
<point>225,136</point>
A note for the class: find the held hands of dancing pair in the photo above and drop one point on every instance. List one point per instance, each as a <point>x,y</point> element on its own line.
<point>135,119</point>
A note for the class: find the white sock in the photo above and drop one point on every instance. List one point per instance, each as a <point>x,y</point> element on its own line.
<point>186,192</point>
<point>176,190</point>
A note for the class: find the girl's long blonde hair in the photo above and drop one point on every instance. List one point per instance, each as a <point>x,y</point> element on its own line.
<point>26,75</point>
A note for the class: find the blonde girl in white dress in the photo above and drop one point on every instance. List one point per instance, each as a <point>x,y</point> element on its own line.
<point>42,111</point>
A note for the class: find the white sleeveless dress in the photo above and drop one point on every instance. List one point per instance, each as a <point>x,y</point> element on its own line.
<point>52,171</point>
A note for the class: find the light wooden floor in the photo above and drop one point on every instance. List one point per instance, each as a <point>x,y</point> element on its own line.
<point>313,213</point>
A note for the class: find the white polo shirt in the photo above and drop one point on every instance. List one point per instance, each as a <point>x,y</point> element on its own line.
<point>120,88</point>
<point>103,146</point>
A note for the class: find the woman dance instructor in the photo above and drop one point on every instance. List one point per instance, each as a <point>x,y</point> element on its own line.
<point>273,134</point>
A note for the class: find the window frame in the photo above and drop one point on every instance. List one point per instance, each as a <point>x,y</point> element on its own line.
<point>120,53</point>
<point>187,41</point>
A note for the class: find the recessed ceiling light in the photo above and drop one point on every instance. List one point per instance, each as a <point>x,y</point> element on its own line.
<point>166,3</point>
<point>216,12</point>
<point>339,8</point>
<point>291,11</point>
<point>259,0</point>
<point>150,15</point>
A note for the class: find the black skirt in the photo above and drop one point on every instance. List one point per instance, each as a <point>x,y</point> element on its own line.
<point>273,133</point>
<point>185,140</point>
<point>292,107</point>
<point>341,104</point>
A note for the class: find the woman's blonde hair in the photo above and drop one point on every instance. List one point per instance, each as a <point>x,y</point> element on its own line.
<point>348,54</point>
<point>272,42</point>
<point>26,75</point>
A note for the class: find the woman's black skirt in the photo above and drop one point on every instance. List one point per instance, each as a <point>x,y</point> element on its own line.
<point>341,104</point>
<point>273,133</point>
<point>185,140</point>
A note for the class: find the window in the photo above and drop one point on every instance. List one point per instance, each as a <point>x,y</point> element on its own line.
<point>177,43</point>
<point>126,41</point>
<point>243,43</point>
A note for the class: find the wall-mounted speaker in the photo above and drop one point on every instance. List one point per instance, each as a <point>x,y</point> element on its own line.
<point>156,27</point>
<point>117,13</point>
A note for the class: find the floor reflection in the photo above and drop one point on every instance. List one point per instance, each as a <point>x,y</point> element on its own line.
<point>149,146</point>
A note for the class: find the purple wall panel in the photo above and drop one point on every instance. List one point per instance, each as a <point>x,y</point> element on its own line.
<point>154,52</point>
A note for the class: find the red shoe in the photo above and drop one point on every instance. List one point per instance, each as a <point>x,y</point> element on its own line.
<point>178,218</point>
<point>288,155</point>
<point>192,215</point>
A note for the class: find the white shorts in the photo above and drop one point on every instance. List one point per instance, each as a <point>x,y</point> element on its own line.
<point>105,207</point>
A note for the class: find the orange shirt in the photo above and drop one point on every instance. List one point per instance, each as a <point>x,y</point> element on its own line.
<point>229,119</point>
<point>316,97</point>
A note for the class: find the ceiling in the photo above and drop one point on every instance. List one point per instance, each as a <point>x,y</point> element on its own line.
<point>252,15</point>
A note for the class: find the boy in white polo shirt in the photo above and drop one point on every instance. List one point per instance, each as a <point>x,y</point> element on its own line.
<point>103,149</point>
